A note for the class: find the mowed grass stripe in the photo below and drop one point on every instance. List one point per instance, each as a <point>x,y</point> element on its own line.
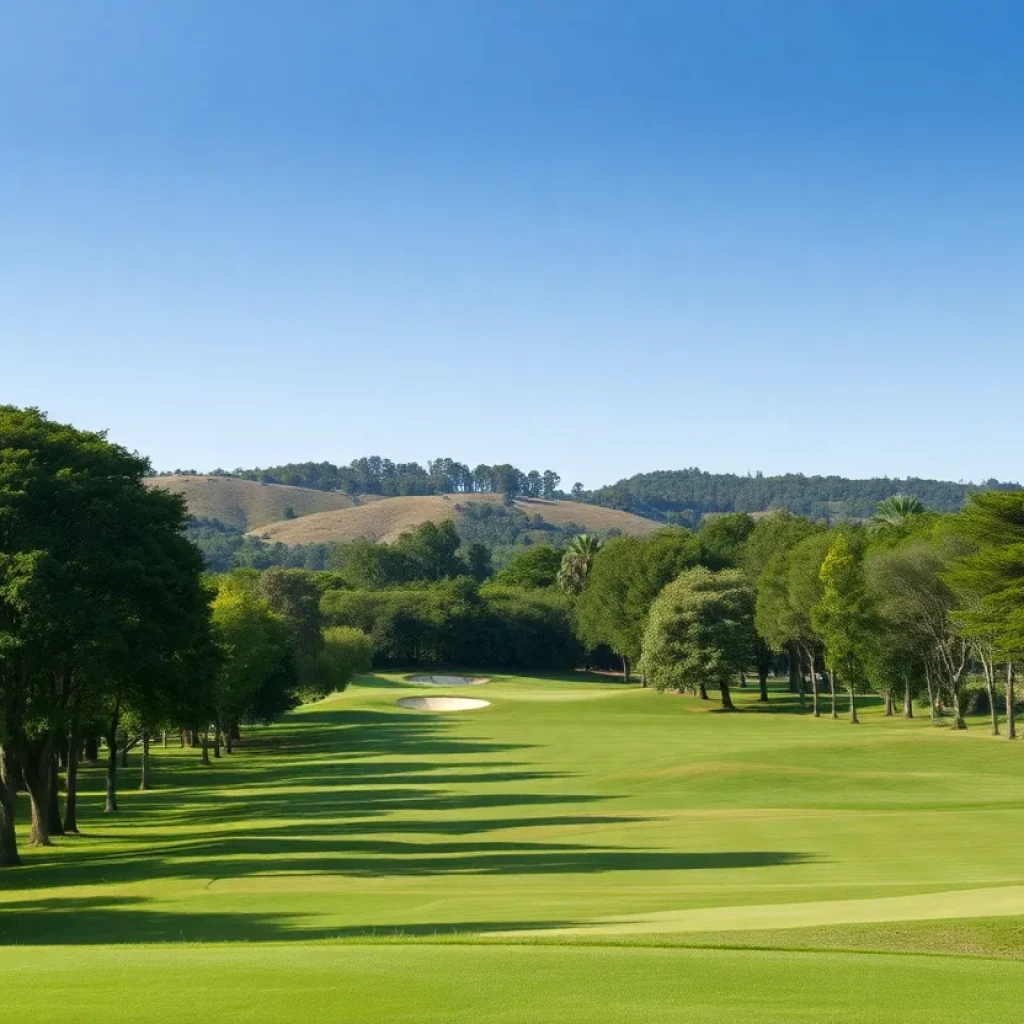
<point>508,985</point>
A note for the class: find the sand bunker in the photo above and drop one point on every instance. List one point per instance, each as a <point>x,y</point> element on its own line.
<point>447,680</point>
<point>442,703</point>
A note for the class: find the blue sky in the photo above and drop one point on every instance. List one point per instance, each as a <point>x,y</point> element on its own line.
<point>600,237</point>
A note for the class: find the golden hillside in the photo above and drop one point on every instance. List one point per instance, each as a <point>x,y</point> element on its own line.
<point>246,504</point>
<point>387,518</point>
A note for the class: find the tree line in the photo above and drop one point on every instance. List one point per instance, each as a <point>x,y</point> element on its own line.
<point>912,605</point>
<point>684,497</point>
<point>376,475</point>
<point>111,632</point>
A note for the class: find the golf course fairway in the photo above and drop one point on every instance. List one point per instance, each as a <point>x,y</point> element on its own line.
<point>579,850</point>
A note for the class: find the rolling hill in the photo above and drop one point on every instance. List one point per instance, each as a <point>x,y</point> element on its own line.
<point>246,504</point>
<point>386,519</point>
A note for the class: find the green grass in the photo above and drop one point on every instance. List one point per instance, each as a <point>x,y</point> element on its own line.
<point>580,850</point>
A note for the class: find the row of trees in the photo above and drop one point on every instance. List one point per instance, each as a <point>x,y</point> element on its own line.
<point>911,605</point>
<point>375,475</point>
<point>109,629</point>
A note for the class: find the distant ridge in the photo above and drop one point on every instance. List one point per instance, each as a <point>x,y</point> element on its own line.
<point>687,494</point>
<point>675,496</point>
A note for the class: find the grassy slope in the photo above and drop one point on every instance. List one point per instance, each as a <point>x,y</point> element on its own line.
<point>547,858</point>
<point>246,504</point>
<point>384,520</point>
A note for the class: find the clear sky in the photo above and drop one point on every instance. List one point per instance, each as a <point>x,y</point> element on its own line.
<point>598,236</point>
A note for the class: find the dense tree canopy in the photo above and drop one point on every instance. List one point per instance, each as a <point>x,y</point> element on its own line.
<point>102,609</point>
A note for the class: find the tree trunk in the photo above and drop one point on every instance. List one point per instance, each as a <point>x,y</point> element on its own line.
<point>727,703</point>
<point>144,773</point>
<point>124,753</point>
<point>854,720</point>
<point>54,825</point>
<point>933,707</point>
<point>908,699</point>
<point>832,691</point>
<point>958,714</point>
<point>229,740</point>
<point>206,746</point>
<point>71,797</point>
<point>814,684</point>
<point>762,681</point>
<point>1011,716</point>
<point>794,670</point>
<point>993,704</point>
<point>92,750</point>
<point>625,669</point>
<point>111,804</point>
<point>743,680</point>
<point>216,741</point>
<point>8,838</point>
<point>888,704</point>
<point>36,771</point>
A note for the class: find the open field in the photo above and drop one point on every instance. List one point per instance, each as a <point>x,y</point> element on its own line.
<point>246,504</point>
<point>386,519</point>
<point>578,851</point>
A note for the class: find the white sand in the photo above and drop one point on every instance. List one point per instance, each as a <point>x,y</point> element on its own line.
<point>442,703</point>
<point>447,680</point>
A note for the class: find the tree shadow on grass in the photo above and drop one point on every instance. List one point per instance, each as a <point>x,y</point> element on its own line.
<point>337,814</point>
<point>126,919</point>
<point>103,919</point>
<point>230,857</point>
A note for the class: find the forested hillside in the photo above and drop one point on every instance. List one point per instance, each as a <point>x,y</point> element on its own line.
<point>684,495</point>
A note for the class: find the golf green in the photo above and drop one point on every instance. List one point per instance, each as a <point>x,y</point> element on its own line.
<point>548,857</point>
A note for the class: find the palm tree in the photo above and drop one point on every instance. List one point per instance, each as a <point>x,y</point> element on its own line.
<point>895,511</point>
<point>576,562</point>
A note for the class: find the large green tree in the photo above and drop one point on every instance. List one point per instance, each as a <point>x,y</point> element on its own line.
<point>787,590</point>
<point>770,538</point>
<point>627,575</point>
<point>844,617</point>
<point>990,572</point>
<point>101,598</point>
<point>699,632</point>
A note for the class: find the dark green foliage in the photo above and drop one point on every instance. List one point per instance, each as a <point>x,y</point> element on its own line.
<point>478,561</point>
<point>694,493</point>
<point>292,595</point>
<point>454,622</point>
<point>700,632</point>
<point>226,547</point>
<point>102,607</point>
<point>532,569</point>
<point>723,539</point>
<point>627,575</point>
<point>432,551</point>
